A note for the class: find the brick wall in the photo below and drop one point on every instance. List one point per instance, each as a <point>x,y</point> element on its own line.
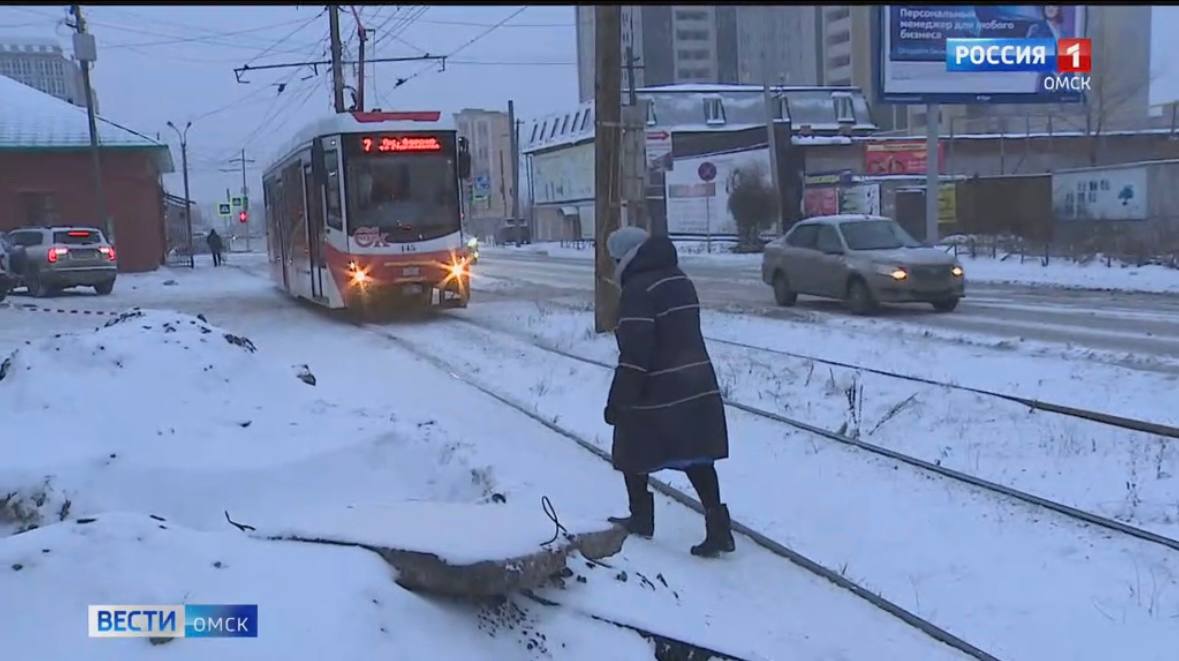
<point>131,184</point>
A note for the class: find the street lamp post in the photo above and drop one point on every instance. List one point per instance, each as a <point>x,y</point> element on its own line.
<point>187,204</point>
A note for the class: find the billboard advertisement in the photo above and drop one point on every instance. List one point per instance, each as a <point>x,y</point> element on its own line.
<point>698,189</point>
<point>898,157</point>
<point>1111,194</point>
<point>564,175</point>
<point>1019,62</point>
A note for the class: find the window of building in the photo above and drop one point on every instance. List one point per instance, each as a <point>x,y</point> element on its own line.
<point>534,129</point>
<point>692,54</point>
<point>565,125</point>
<point>840,82</point>
<point>482,130</point>
<point>691,15</point>
<point>556,126</point>
<point>691,35</point>
<point>651,119</point>
<point>836,14</point>
<point>844,110</point>
<point>586,120</point>
<point>39,208</point>
<point>840,61</point>
<point>714,110</point>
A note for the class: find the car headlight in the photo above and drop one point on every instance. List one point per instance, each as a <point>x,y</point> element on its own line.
<point>957,271</point>
<point>894,272</point>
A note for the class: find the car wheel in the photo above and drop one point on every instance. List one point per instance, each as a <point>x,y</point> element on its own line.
<point>945,305</point>
<point>105,288</point>
<point>38,288</point>
<point>783,294</point>
<point>859,298</point>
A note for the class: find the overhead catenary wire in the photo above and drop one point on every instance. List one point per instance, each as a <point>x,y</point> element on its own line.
<point>454,52</point>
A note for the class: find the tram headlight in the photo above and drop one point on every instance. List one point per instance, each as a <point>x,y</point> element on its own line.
<point>359,277</point>
<point>457,269</point>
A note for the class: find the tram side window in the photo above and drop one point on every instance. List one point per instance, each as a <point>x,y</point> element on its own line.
<point>331,168</point>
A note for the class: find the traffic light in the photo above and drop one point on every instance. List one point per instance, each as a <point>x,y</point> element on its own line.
<point>243,217</point>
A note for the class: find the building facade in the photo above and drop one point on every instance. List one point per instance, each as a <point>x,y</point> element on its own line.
<point>683,122</point>
<point>42,65</point>
<point>49,176</point>
<point>488,192</point>
<point>707,44</point>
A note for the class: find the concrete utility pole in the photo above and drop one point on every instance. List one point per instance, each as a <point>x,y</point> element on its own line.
<point>932,169</point>
<point>337,66</point>
<point>772,138</point>
<point>503,193</point>
<point>360,32</point>
<point>86,53</point>
<point>514,125</point>
<point>607,125</point>
<point>187,202</point>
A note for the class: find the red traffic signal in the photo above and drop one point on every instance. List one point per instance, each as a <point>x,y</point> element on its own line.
<point>243,217</point>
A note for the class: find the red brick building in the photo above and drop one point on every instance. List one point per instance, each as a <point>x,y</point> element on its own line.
<point>47,176</point>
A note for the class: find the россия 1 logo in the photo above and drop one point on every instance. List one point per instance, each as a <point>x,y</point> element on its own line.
<point>1069,61</point>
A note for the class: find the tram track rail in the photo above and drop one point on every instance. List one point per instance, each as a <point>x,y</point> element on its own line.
<point>1062,509</point>
<point>1099,417</point>
<point>762,540</point>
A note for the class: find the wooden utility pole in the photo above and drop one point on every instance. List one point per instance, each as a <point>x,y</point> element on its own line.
<point>337,66</point>
<point>86,53</point>
<point>607,125</point>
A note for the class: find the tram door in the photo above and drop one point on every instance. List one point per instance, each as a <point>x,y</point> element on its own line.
<point>315,231</point>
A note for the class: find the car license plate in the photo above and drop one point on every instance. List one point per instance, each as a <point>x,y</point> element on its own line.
<point>411,271</point>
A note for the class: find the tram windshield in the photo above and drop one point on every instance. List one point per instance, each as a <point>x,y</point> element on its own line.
<point>408,197</point>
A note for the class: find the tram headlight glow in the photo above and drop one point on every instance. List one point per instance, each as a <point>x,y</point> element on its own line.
<point>457,269</point>
<point>359,277</point>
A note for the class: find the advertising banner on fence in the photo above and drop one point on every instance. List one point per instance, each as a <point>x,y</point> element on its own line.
<point>1111,194</point>
<point>912,64</point>
<point>898,157</point>
<point>698,190</point>
<point>861,198</point>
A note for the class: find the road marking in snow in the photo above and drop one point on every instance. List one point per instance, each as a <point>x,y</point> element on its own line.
<point>36,308</point>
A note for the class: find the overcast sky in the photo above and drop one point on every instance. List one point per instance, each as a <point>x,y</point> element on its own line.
<point>176,63</point>
<point>157,64</point>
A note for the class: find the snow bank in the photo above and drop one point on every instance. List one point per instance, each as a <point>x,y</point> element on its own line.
<point>1060,273</point>
<point>162,388</point>
<point>343,604</point>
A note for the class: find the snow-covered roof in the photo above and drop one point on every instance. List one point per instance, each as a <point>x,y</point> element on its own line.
<point>31,119</point>
<point>681,108</point>
<point>348,123</point>
<point>22,44</point>
<point>1017,135</point>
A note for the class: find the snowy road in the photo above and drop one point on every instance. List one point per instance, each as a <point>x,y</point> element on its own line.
<point>1121,322</point>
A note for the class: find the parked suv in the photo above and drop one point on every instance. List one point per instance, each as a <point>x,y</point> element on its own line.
<point>864,260</point>
<point>48,259</point>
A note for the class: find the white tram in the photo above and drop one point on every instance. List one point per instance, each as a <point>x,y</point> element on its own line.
<point>363,209</point>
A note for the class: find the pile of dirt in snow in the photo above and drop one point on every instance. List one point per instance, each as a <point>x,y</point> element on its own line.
<point>150,380</point>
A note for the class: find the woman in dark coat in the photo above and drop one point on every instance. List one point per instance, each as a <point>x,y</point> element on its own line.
<point>664,404</point>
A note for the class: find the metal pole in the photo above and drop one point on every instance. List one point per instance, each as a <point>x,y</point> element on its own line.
<point>245,199</point>
<point>337,67</point>
<point>360,66</point>
<point>85,51</point>
<point>932,169</point>
<point>607,118</point>
<point>503,195</point>
<point>187,199</point>
<point>708,224</point>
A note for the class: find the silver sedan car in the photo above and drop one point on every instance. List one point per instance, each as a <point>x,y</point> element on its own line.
<point>863,260</point>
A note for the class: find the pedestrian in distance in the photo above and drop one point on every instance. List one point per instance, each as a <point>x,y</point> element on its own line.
<point>664,403</point>
<point>215,246</point>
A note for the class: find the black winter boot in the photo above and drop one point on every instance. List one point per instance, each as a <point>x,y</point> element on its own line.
<point>641,521</point>
<point>719,537</point>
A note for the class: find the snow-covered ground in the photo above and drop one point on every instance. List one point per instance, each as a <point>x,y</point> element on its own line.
<point>1063,273</point>
<point>1129,475</point>
<point>1019,581</point>
<point>1058,273</point>
<point>170,415</point>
